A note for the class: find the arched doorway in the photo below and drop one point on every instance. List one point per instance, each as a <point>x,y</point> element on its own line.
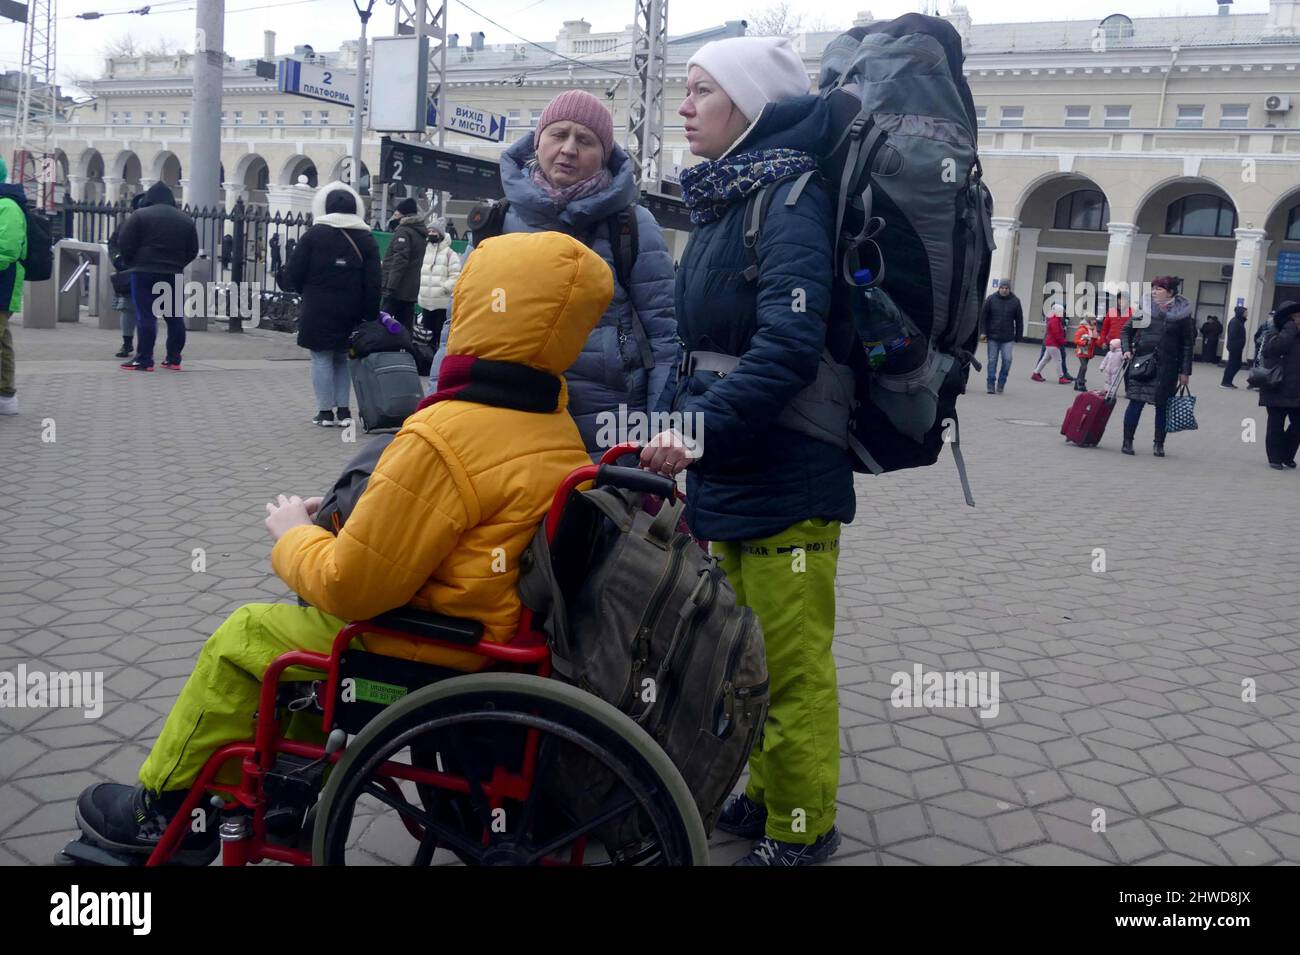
<point>1192,223</point>
<point>1063,245</point>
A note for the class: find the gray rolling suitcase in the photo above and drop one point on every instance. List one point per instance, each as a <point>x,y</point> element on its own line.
<point>387,386</point>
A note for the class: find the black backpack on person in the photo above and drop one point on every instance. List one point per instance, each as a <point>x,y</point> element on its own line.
<point>487,220</point>
<point>38,263</point>
<point>911,206</point>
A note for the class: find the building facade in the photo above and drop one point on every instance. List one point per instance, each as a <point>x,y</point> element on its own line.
<point>1116,149</point>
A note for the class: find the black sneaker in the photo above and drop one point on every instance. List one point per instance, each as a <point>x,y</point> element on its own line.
<point>741,816</point>
<point>344,416</point>
<point>125,351</point>
<point>324,418</point>
<point>772,852</point>
<point>131,819</point>
<point>1290,463</point>
<point>1277,466</point>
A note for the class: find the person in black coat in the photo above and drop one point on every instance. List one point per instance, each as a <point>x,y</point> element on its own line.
<point>157,242</point>
<point>1211,329</point>
<point>1002,321</point>
<point>402,263</point>
<point>1235,345</point>
<point>335,265</point>
<point>1283,348</point>
<point>1168,334</point>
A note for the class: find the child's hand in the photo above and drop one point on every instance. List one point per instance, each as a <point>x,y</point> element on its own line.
<point>286,513</point>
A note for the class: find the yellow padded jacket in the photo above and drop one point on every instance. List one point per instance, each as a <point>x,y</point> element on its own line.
<point>462,488</point>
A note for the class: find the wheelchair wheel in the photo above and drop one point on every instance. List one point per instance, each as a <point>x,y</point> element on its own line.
<point>504,746</point>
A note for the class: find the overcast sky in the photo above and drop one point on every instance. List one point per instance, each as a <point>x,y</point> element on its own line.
<point>325,23</point>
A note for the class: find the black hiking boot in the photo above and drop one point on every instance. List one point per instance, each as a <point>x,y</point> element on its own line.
<point>1128,441</point>
<point>1158,449</point>
<point>741,816</point>
<point>773,853</point>
<point>131,820</point>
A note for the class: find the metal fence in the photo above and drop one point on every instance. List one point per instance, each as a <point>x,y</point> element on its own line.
<point>245,244</point>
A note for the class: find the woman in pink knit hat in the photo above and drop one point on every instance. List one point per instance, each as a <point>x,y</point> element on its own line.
<point>568,175</point>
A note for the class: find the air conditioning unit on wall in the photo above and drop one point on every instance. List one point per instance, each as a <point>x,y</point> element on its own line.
<point>1277,103</point>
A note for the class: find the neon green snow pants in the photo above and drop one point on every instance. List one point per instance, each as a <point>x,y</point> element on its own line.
<point>218,702</point>
<point>788,580</point>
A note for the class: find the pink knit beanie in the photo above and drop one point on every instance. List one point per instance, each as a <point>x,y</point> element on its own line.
<point>580,107</point>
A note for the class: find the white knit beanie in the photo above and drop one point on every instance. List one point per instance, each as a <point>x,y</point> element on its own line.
<point>754,70</point>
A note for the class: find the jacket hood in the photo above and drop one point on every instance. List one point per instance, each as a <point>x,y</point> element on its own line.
<point>531,298</point>
<point>159,194</point>
<point>318,200</point>
<point>539,209</point>
<point>12,190</point>
<point>802,122</point>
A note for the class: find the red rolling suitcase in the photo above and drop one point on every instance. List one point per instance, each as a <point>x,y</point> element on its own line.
<point>1085,422</point>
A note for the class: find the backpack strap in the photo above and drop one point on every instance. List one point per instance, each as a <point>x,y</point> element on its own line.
<point>867,138</point>
<point>756,213</point>
<point>624,245</point>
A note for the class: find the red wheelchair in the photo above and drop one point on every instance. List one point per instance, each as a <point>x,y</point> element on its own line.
<point>500,767</point>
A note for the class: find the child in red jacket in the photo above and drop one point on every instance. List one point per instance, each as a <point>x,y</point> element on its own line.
<point>1053,347</point>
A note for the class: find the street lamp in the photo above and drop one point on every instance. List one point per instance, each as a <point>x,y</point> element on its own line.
<point>354,167</point>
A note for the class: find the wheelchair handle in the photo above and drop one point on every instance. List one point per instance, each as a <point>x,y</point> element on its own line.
<point>635,479</point>
<point>619,450</point>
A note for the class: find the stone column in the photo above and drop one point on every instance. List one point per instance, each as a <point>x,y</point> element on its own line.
<point>1003,265</point>
<point>76,188</point>
<point>1247,269</point>
<point>112,188</point>
<point>1031,297</point>
<point>233,191</point>
<point>185,191</point>
<point>1119,258</point>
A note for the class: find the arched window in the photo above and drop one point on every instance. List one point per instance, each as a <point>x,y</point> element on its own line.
<point>263,177</point>
<point>1201,214</point>
<point>1117,27</point>
<point>1084,209</point>
<point>1293,224</point>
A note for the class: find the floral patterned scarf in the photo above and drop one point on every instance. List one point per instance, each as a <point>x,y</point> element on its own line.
<point>709,187</point>
<point>579,190</point>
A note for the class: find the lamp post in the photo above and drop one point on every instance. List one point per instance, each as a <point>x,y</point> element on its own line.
<point>355,163</point>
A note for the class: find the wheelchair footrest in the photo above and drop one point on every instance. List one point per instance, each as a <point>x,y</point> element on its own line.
<point>81,852</point>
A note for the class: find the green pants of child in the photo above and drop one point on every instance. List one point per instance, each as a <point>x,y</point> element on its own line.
<point>220,699</point>
<point>788,580</point>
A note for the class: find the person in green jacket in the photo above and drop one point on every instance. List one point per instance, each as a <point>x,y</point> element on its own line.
<point>13,249</point>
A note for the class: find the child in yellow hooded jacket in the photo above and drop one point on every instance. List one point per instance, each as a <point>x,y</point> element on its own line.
<point>465,481</point>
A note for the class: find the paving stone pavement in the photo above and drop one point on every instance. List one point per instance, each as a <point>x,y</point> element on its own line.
<point>1121,691</point>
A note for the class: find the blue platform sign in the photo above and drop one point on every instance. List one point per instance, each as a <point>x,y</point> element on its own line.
<point>1288,268</point>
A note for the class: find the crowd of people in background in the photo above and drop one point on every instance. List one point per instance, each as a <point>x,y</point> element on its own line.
<point>1168,344</point>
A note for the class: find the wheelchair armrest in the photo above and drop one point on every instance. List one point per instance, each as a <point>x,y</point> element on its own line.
<point>431,626</point>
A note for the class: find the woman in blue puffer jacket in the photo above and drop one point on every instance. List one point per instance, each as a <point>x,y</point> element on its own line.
<point>568,176</point>
<point>770,497</point>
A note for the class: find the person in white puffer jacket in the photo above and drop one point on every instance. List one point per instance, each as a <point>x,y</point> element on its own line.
<point>437,279</point>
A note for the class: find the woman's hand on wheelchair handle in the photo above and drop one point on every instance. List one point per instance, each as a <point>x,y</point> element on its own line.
<point>667,453</point>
